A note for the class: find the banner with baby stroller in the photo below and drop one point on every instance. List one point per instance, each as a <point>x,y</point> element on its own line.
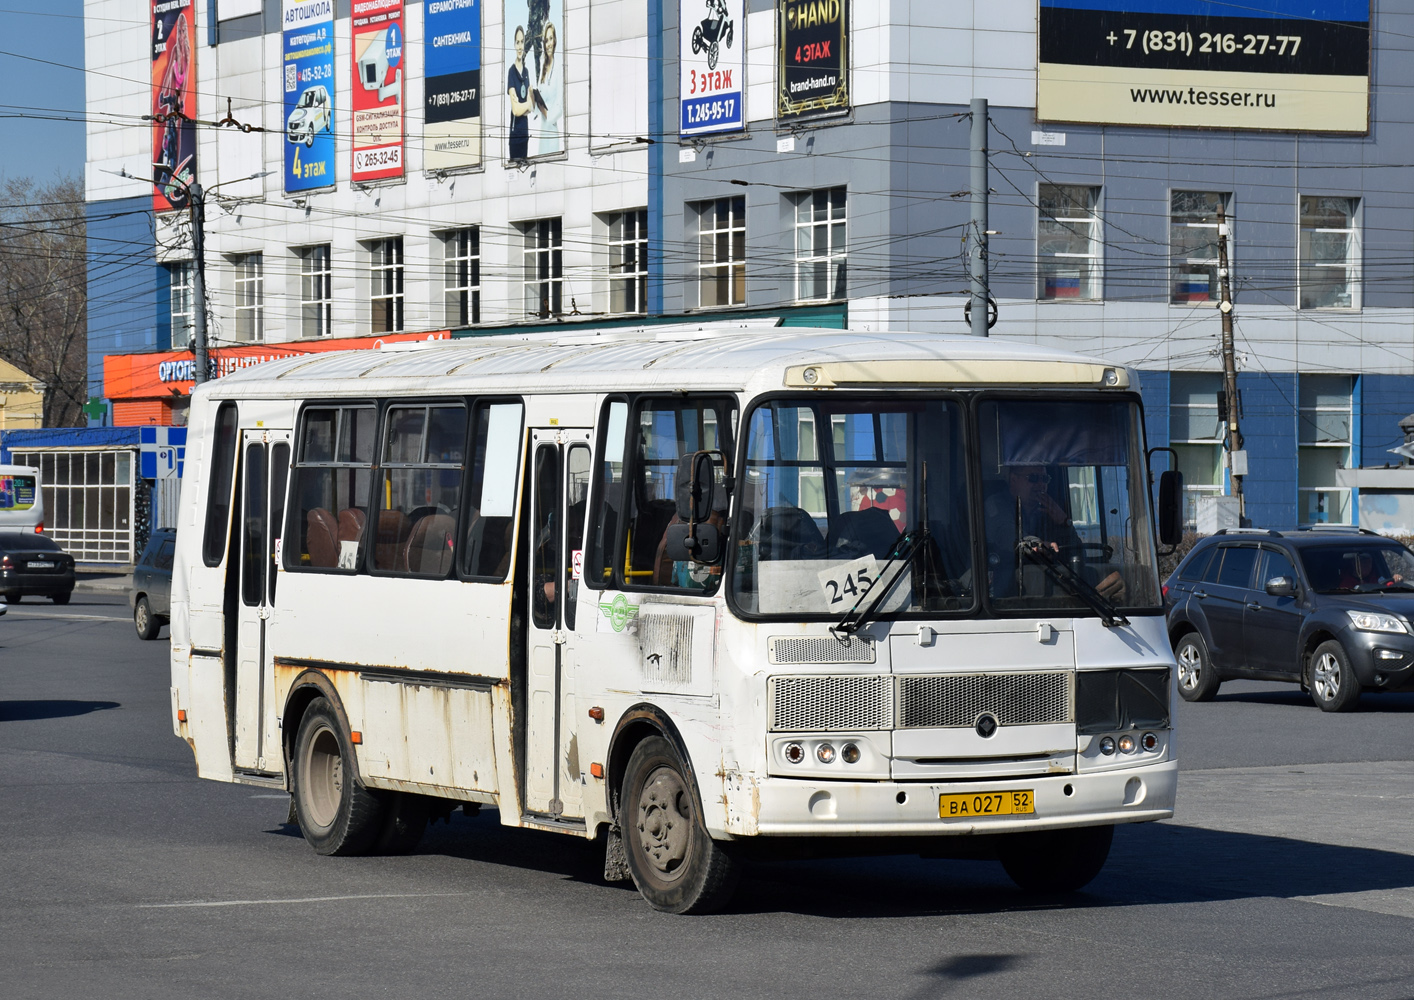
<point>712,66</point>
<point>173,103</point>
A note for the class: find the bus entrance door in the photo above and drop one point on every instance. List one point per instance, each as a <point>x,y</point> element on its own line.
<point>559,490</point>
<point>265,468</point>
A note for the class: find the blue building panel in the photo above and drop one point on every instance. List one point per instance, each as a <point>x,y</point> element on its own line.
<point>1269,435</point>
<point>125,305</point>
<point>1386,400</point>
<point>1154,387</point>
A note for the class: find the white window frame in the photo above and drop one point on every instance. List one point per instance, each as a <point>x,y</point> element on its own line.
<point>461,276</point>
<point>181,303</point>
<point>628,262</point>
<point>1090,288</point>
<point>1192,491</point>
<point>1308,417</point>
<point>543,268</point>
<point>1353,255</point>
<point>386,289</point>
<point>721,251</point>
<point>1185,265</point>
<point>821,244</point>
<point>316,290</point>
<point>250,296</point>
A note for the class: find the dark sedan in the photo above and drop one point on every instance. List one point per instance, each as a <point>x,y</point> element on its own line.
<point>33,565</point>
<point>1330,610</point>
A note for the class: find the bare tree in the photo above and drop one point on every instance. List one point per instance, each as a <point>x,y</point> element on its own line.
<point>44,290</point>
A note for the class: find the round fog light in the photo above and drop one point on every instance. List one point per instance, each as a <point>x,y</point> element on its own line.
<point>1150,741</point>
<point>850,753</point>
<point>794,753</point>
<point>1107,745</point>
<point>1126,744</point>
<point>825,753</point>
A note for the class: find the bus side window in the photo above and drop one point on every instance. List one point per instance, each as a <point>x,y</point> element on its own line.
<point>608,495</point>
<point>491,492</point>
<point>329,503</point>
<point>223,473</point>
<point>420,492</point>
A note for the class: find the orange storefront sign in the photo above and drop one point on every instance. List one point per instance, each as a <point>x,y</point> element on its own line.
<point>157,375</point>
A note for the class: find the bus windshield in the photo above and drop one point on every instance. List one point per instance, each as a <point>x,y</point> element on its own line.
<point>1065,509</point>
<point>829,486</point>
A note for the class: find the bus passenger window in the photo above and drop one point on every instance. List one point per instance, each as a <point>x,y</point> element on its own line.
<point>609,494</point>
<point>222,474</point>
<point>491,493</point>
<point>577,476</point>
<point>329,502</point>
<point>420,492</point>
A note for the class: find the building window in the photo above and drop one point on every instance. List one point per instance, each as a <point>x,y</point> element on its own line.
<point>386,297</point>
<point>544,268</point>
<point>1196,434</point>
<point>1329,275</point>
<point>820,244</point>
<point>183,314</point>
<point>1068,242</point>
<point>461,276</point>
<point>1193,244</point>
<point>316,291</point>
<point>1323,446</point>
<point>721,253</point>
<point>250,296</point>
<point>628,262</point>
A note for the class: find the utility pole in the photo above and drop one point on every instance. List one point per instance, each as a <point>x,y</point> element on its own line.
<point>977,259</point>
<point>197,203</point>
<point>1236,455</point>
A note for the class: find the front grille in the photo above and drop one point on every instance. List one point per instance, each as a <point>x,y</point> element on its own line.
<point>831,704</point>
<point>955,700</point>
<point>820,649</point>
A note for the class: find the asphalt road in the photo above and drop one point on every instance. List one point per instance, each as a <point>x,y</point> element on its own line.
<point>1288,872</point>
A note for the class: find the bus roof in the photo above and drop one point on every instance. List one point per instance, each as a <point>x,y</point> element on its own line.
<point>664,358</point>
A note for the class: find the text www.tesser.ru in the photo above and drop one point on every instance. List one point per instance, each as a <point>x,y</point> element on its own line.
<point>1211,98</point>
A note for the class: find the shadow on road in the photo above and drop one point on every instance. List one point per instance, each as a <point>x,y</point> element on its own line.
<point>28,711</point>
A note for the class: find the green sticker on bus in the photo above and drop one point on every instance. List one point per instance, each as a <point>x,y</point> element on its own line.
<point>618,612</point>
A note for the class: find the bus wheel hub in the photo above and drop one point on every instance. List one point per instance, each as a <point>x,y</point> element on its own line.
<point>663,823</point>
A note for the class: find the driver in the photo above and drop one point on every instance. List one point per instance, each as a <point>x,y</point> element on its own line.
<point>1363,574</point>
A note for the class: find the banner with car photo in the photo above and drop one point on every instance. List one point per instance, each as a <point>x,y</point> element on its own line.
<point>451,136</point>
<point>812,58</point>
<point>377,89</point>
<point>535,78</point>
<point>711,66</point>
<point>173,103</point>
<point>308,28</point>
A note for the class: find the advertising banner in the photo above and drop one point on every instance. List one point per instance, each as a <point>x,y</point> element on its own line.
<point>535,78</point>
<point>1285,65</point>
<point>308,27</point>
<point>173,99</point>
<point>712,66</point>
<point>377,89</point>
<point>812,58</point>
<point>451,59</point>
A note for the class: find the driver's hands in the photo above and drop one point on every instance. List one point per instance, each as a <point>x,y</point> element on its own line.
<point>1111,588</point>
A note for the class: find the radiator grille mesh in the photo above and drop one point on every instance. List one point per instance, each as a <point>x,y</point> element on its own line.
<point>820,649</point>
<point>666,642</point>
<point>831,704</point>
<point>952,700</point>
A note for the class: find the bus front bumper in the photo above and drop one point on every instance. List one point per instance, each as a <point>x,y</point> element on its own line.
<point>793,807</point>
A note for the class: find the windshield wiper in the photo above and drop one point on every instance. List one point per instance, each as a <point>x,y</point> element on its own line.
<point>1037,551</point>
<point>901,551</point>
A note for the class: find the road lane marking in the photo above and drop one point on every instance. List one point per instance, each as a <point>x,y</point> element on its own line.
<point>307,899</point>
<point>65,617</point>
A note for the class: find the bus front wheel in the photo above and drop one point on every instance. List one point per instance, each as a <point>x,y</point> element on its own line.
<point>1056,860</point>
<point>675,864</point>
<point>336,813</point>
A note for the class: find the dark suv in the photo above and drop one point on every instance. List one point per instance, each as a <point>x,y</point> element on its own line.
<point>1329,609</point>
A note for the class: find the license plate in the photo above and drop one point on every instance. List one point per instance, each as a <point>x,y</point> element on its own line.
<point>1008,803</point>
<point>40,564</point>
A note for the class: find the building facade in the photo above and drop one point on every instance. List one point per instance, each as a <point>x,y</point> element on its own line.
<point>460,167</point>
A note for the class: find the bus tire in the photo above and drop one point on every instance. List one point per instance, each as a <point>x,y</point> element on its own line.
<point>336,813</point>
<point>405,821</point>
<point>1052,861</point>
<point>674,862</point>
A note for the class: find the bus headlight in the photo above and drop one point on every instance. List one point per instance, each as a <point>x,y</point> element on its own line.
<point>825,753</point>
<point>849,753</point>
<point>1107,746</point>
<point>794,753</point>
<point>1126,744</point>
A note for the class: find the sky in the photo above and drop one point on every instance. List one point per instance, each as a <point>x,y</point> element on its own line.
<point>50,30</point>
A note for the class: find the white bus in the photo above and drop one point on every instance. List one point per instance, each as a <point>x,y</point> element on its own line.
<point>704,594</point>
<point>21,500</point>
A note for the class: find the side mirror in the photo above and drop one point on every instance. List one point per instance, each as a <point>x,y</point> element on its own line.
<point>1281,586</point>
<point>683,544</point>
<point>695,484</point>
<point>1170,507</point>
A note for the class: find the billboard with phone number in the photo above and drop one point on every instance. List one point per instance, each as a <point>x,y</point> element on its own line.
<point>711,66</point>
<point>1284,65</point>
<point>308,28</point>
<point>377,89</point>
<point>451,59</point>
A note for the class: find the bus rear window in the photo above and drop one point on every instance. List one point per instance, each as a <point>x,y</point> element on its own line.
<point>223,472</point>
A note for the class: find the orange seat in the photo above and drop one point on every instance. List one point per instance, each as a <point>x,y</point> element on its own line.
<point>322,540</point>
<point>429,547</point>
<point>389,551</point>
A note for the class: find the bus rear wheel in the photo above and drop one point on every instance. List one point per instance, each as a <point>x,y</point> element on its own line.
<point>675,864</point>
<point>1050,861</point>
<point>336,813</point>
